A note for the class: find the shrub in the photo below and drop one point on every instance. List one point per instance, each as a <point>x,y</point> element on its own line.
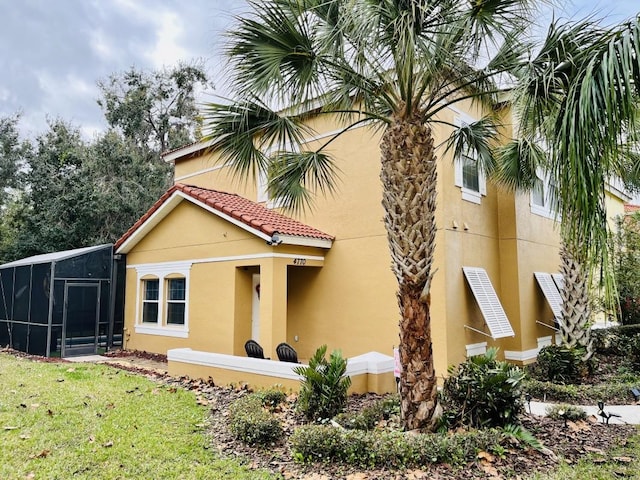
<point>323,389</point>
<point>251,423</point>
<point>586,394</point>
<point>318,443</point>
<point>368,417</point>
<point>271,398</point>
<point>559,364</point>
<point>614,340</point>
<point>483,392</point>
<point>566,412</point>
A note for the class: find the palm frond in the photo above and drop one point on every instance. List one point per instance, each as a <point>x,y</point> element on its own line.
<point>295,177</point>
<point>275,53</point>
<point>518,163</point>
<point>244,132</point>
<point>476,139</point>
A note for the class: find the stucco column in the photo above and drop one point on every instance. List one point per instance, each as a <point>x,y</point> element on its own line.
<point>273,304</point>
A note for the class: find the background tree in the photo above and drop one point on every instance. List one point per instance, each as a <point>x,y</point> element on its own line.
<point>78,192</point>
<point>395,65</point>
<point>12,151</point>
<point>53,207</point>
<point>627,267</point>
<point>579,96</point>
<point>157,109</point>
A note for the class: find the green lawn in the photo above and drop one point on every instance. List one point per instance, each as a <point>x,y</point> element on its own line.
<point>64,420</point>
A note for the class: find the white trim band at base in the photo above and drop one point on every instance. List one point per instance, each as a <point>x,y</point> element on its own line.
<point>162,331</point>
<point>474,349</point>
<point>521,356</point>
<point>368,363</point>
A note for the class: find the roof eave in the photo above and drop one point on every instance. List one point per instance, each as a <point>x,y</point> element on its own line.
<point>301,241</point>
<point>188,150</point>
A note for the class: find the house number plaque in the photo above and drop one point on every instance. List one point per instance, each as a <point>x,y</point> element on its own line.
<point>299,261</point>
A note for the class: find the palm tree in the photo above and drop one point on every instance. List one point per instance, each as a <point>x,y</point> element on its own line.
<point>394,64</point>
<point>579,97</point>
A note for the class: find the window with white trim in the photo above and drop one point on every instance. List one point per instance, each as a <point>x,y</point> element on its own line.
<point>542,196</point>
<point>163,299</point>
<point>176,301</point>
<point>151,291</point>
<point>537,194</point>
<point>468,175</point>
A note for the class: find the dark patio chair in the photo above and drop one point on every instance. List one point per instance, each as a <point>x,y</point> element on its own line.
<point>253,349</point>
<point>286,353</point>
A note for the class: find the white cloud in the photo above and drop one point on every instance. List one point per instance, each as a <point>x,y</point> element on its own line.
<point>167,49</point>
<point>101,46</point>
<point>5,94</point>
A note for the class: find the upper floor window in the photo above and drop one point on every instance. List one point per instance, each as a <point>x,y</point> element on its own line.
<point>537,194</point>
<point>468,175</point>
<point>542,196</point>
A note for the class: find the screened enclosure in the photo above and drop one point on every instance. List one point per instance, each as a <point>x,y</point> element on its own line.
<point>63,303</point>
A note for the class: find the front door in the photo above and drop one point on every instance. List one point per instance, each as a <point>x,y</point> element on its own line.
<point>81,315</point>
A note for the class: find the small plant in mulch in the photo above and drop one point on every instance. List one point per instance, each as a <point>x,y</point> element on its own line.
<point>566,412</point>
<point>323,386</point>
<point>251,418</point>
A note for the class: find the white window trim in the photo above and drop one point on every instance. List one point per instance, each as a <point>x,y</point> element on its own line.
<point>162,271</point>
<point>468,195</point>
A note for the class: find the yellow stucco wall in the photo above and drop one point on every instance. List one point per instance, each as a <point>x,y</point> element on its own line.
<point>347,301</point>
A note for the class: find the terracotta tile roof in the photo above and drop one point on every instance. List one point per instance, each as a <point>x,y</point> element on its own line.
<point>250,213</point>
<point>630,208</point>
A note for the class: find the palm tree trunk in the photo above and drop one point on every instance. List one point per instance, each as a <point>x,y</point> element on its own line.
<point>576,312</point>
<point>409,184</point>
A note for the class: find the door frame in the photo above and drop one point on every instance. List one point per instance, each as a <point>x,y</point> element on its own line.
<point>65,311</point>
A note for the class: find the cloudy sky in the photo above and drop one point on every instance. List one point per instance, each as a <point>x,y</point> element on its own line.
<point>52,52</point>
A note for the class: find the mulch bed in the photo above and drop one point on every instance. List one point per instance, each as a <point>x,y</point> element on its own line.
<point>566,443</point>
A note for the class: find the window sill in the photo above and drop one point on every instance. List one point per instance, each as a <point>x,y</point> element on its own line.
<point>162,331</point>
<point>543,212</point>
<point>471,196</point>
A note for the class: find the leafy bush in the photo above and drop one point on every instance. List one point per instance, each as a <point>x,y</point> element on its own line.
<point>614,340</point>
<point>559,364</point>
<point>251,423</point>
<point>483,392</point>
<point>323,389</point>
<point>566,412</point>
<point>585,394</point>
<point>271,398</point>
<point>320,443</point>
<point>368,417</point>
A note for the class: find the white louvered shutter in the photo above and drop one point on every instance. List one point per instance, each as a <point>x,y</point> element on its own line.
<point>551,293</point>
<point>558,278</point>
<point>491,308</point>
